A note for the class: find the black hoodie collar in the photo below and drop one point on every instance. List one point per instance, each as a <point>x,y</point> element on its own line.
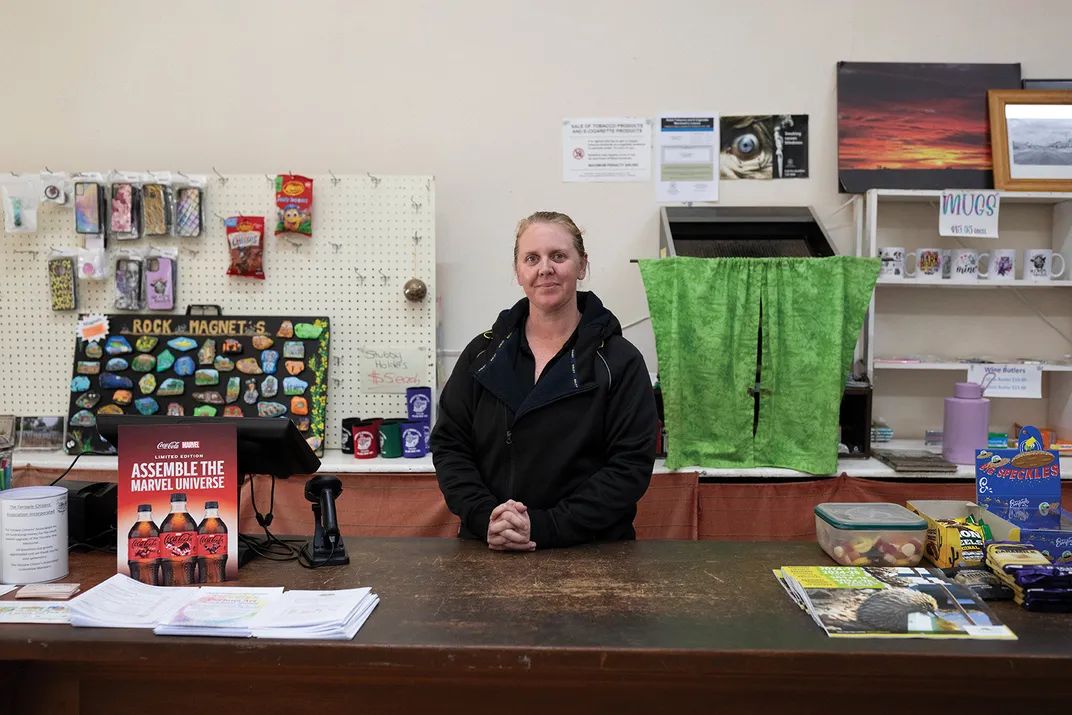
<point>573,373</point>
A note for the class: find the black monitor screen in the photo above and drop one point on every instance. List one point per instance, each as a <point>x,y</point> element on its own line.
<point>266,445</point>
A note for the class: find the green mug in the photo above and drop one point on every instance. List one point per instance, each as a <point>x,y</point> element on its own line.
<point>391,438</point>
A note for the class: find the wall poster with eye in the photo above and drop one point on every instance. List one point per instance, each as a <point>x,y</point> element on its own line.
<point>764,146</point>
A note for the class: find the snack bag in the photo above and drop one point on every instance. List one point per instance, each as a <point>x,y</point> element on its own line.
<point>294,204</point>
<point>245,239</point>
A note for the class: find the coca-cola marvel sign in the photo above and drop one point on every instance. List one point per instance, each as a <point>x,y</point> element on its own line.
<point>178,504</point>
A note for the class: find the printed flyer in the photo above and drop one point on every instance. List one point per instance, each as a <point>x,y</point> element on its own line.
<point>178,504</point>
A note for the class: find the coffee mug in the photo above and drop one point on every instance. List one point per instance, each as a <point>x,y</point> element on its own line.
<point>947,264</point>
<point>928,264</point>
<point>1039,264</point>
<point>892,266</point>
<point>967,265</point>
<point>1003,265</point>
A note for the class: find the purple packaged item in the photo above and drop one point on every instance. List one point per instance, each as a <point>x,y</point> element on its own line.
<point>1031,576</point>
<point>967,423</point>
<point>160,283</point>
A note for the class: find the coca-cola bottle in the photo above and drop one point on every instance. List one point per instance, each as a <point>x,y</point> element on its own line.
<point>143,548</point>
<point>211,546</point>
<point>178,545</point>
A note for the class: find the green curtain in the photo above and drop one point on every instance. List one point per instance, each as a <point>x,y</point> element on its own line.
<point>706,314</point>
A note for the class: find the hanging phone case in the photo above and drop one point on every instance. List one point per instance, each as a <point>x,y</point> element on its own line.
<point>128,282</point>
<point>160,283</point>
<point>61,282</point>
<point>154,210</point>
<point>188,212</point>
<point>123,217</point>
<point>88,200</point>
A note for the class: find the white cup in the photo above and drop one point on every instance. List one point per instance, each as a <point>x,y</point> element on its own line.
<point>893,263</point>
<point>967,265</point>
<point>947,263</point>
<point>1002,267</point>
<point>1039,265</point>
<point>928,264</point>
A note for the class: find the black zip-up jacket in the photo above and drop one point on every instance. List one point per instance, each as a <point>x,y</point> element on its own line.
<point>577,448</point>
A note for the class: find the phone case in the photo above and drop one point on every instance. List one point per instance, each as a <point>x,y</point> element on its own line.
<point>160,283</point>
<point>123,219</point>
<point>128,295</point>
<point>61,283</point>
<point>188,212</point>
<point>154,210</point>
<point>88,199</point>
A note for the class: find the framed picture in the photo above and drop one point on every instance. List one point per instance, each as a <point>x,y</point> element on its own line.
<point>909,125</point>
<point>1031,133</point>
<point>1046,84</point>
<point>7,431</point>
<point>41,433</point>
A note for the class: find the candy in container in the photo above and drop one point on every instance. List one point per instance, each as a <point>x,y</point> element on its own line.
<point>870,534</point>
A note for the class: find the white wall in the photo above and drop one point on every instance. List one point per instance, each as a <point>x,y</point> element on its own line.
<point>472,91</point>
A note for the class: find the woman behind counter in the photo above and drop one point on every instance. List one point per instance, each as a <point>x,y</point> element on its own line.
<point>546,429</point>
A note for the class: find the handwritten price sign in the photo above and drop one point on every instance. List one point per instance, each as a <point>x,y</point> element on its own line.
<point>969,214</point>
<point>386,368</point>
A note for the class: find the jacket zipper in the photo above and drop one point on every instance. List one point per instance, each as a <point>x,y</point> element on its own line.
<point>509,454</point>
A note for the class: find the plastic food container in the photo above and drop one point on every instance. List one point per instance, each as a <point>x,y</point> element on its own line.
<point>870,534</point>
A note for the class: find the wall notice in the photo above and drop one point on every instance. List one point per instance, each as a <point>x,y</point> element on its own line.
<point>1008,380</point>
<point>687,146</point>
<point>611,149</point>
<point>388,368</point>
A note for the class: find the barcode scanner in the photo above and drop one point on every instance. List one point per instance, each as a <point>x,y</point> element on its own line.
<point>327,546</point>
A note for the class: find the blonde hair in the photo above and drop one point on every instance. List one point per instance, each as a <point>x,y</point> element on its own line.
<point>556,218</point>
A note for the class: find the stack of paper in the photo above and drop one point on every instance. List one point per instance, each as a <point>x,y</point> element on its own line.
<point>218,611</point>
<point>324,615</point>
<point>122,602</point>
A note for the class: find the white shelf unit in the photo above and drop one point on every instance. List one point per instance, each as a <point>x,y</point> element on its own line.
<point>975,285</point>
<point>963,367</point>
<point>949,296</point>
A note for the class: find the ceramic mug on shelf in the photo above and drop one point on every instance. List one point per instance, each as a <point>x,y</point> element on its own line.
<point>947,264</point>
<point>1002,267</point>
<point>967,265</point>
<point>893,264</point>
<point>1039,265</point>
<point>928,264</point>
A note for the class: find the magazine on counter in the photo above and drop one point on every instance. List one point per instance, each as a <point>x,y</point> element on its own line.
<point>887,602</point>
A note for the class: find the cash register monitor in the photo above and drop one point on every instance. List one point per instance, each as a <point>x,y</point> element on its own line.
<point>266,445</point>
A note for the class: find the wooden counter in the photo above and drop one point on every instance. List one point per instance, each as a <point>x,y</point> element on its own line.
<point>657,626</point>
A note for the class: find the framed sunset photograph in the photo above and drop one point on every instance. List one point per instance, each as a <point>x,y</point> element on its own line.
<point>908,125</point>
<point>1031,131</point>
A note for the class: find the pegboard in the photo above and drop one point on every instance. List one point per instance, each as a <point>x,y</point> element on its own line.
<point>371,234</point>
